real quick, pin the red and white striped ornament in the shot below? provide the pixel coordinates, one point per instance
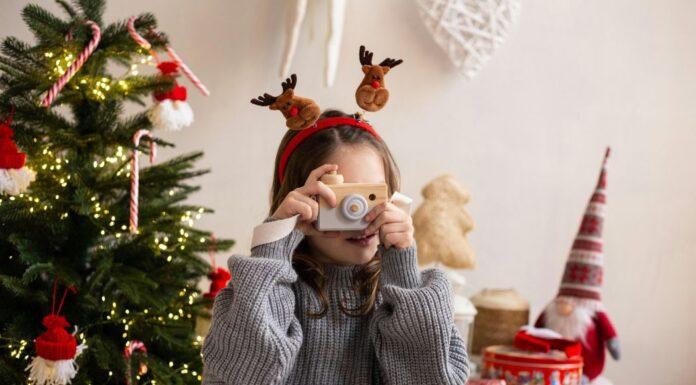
(135, 176)
(75, 66)
(132, 347)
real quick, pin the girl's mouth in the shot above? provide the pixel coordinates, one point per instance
(361, 241)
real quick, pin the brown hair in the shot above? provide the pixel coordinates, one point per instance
(310, 154)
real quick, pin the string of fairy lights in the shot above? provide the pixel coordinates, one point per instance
(111, 228)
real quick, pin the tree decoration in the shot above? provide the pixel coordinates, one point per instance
(15, 177)
(56, 349)
(75, 66)
(134, 346)
(171, 112)
(469, 31)
(135, 176)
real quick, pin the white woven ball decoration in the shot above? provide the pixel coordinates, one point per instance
(469, 31)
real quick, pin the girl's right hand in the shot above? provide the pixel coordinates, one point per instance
(301, 201)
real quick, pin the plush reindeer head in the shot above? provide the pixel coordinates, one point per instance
(371, 94)
(299, 112)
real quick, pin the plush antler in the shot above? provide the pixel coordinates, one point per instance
(371, 94)
(264, 101)
(365, 56)
(290, 83)
(391, 63)
(299, 112)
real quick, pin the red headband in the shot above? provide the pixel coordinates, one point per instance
(318, 126)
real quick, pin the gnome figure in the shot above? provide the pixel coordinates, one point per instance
(577, 312)
(56, 351)
(171, 112)
(15, 177)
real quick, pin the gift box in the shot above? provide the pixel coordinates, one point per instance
(523, 367)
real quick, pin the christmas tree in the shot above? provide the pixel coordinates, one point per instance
(69, 235)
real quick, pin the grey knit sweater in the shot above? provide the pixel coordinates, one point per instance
(260, 334)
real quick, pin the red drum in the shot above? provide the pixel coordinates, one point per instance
(521, 367)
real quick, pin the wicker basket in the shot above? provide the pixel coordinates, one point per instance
(501, 313)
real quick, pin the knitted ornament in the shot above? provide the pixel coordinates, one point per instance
(171, 112)
(14, 176)
(56, 350)
(584, 270)
(218, 280)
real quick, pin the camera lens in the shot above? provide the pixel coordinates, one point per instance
(354, 207)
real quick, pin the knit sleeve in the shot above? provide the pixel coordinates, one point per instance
(255, 335)
(413, 330)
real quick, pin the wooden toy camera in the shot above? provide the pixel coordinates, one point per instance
(354, 201)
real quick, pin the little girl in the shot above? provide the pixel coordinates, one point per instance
(347, 307)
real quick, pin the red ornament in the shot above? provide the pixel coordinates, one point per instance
(10, 157)
(218, 280)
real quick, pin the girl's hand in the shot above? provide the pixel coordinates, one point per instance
(301, 201)
(394, 225)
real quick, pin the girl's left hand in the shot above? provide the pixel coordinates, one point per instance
(394, 225)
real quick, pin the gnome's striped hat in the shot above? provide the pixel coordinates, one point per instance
(584, 270)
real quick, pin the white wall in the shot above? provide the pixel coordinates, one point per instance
(526, 137)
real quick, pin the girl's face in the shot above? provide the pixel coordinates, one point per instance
(357, 164)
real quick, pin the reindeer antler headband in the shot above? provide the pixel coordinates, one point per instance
(301, 114)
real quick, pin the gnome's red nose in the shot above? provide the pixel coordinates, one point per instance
(294, 111)
(375, 84)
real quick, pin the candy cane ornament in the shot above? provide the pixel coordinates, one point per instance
(132, 347)
(75, 66)
(172, 54)
(135, 176)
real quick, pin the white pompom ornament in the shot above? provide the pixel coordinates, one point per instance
(14, 176)
(171, 112)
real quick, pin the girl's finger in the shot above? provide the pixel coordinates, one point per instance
(297, 206)
(321, 189)
(395, 227)
(396, 239)
(374, 212)
(309, 201)
(384, 217)
(319, 171)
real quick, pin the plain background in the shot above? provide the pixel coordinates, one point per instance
(526, 136)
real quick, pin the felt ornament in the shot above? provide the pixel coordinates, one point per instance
(469, 31)
(299, 112)
(577, 312)
(337, 10)
(56, 350)
(441, 224)
(170, 112)
(15, 177)
(372, 94)
(218, 276)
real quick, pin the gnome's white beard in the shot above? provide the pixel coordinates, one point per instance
(47, 372)
(171, 115)
(16, 181)
(573, 326)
